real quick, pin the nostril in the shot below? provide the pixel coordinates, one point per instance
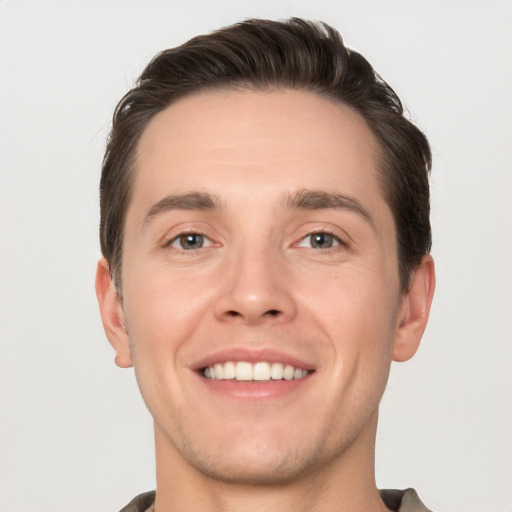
(251, 315)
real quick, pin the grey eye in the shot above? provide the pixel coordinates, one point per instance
(189, 241)
(322, 240)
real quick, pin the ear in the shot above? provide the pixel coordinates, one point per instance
(112, 315)
(415, 310)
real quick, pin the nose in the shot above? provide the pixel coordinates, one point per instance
(256, 290)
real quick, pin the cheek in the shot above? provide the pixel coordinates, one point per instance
(160, 317)
(362, 296)
(161, 311)
(357, 312)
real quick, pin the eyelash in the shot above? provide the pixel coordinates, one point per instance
(180, 236)
(337, 241)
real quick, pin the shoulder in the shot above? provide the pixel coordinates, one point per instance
(403, 501)
(399, 501)
(140, 503)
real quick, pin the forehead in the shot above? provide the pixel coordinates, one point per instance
(236, 143)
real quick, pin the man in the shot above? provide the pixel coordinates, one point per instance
(265, 232)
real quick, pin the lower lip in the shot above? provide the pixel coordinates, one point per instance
(254, 390)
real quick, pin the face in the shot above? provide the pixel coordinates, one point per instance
(261, 305)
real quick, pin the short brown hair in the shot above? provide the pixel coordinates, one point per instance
(263, 54)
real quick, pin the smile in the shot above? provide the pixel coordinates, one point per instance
(260, 371)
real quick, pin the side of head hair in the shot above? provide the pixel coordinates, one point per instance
(264, 54)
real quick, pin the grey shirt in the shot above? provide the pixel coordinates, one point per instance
(399, 501)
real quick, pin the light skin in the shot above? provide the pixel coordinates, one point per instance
(257, 232)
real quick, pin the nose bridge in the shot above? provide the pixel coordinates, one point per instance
(254, 287)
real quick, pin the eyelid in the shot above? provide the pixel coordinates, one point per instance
(206, 240)
(170, 240)
(329, 228)
(339, 242)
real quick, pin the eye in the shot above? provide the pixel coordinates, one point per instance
(189, 241)
(320, 240)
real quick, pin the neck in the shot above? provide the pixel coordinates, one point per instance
(345, 483)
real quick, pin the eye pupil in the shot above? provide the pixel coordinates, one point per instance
(321, 240)
(192, 241)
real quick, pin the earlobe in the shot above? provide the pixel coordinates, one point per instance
(415, 310)
(112, 315)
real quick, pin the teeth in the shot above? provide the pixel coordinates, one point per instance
(219, 371)
(229, 370)
(261, 371)
(297, 373)
(289, 370)
(276, 371)
(243, 371)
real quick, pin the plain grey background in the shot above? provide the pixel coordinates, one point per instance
(74, 433)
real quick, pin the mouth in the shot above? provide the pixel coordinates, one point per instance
(253, 375)
(260, 371)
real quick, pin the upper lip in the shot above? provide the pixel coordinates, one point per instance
(251, 355)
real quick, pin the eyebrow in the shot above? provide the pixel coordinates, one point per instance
(305, 199)
(199, 201)
(320, 199)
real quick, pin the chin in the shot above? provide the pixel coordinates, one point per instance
(265, 469)
(257, 461)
